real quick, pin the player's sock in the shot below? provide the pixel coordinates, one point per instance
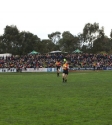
(66, 80)
(63, 79)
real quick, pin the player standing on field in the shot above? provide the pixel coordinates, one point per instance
(65, 71)
(58, 65)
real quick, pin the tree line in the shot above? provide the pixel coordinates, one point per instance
(91, 40)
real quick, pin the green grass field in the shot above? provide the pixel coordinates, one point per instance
(42, 98)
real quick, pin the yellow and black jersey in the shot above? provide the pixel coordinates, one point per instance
(65, 66)
(58, 63)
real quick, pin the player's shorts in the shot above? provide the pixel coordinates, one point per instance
(65, 72)
(58, 67)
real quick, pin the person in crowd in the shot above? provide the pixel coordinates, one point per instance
(98, 65)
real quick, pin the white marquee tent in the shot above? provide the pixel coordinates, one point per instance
(57, 51)
(5, 54)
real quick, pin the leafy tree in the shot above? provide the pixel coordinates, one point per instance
(92, 40)
(28, 42)
(47, 46)
(111, 41)
(54, 37)
(90, 33)
(102, 43)
(81, 40)
(15, 42)
(8, 41)
(111, 34)
(85, 49)
(68, 42)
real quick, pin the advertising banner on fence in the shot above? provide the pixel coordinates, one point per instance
(8, 70)
(35, 70)
(47, 69)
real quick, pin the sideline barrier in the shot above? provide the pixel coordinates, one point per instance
(8, 70)
(29, 70)
(41, 70)
(47, 69)
(104, 68)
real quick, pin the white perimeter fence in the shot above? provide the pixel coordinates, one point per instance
(46, 69)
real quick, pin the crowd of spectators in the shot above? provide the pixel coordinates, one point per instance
(83, 60)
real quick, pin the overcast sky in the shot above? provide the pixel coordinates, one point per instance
(43, 17)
